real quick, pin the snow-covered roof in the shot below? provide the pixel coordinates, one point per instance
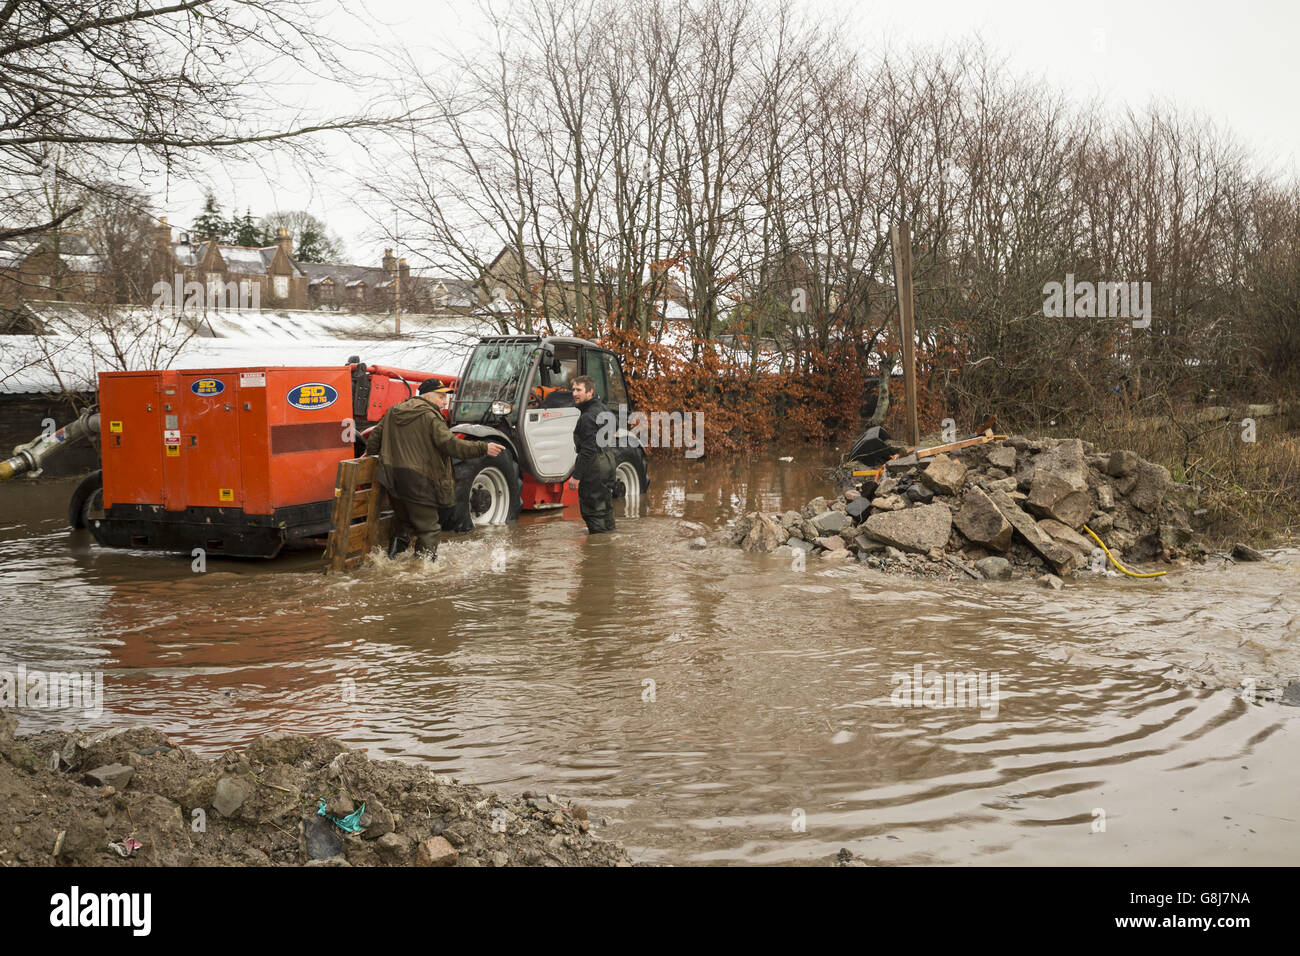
(75, 251)
(81, 342)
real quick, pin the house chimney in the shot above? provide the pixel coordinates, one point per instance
(390, 264)
(163, 232)
(403, 270)
(284, 241)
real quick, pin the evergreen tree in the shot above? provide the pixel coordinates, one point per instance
(211, 225)
(246, 231)
(313, 245)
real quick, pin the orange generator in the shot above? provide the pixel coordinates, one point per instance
(236, 461)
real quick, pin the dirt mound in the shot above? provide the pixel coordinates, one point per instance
(1002, 509)
(81, 800)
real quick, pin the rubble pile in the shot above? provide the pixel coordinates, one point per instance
(136, 797)
(997, 510)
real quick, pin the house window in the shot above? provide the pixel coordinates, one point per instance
(281, 286)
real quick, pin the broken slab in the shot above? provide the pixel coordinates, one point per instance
(982, 523)
(1066, 536)
(919, 530)
(1038, 539)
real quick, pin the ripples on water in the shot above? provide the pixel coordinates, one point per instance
(706, 701)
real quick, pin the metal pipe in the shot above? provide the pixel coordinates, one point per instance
(29, 458)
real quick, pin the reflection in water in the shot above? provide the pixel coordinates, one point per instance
(698, 698)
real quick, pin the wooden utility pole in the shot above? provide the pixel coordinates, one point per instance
(901, 238)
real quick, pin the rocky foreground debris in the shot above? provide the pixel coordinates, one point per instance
(992, 511)
(135, 797)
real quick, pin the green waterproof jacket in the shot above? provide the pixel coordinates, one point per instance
(415, 447)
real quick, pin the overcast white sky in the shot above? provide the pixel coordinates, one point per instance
(1235, 62)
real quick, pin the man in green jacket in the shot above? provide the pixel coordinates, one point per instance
(415, 447)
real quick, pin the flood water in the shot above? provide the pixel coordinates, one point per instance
(713, 706)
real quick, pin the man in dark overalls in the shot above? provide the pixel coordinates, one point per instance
(594, 468)
(415, 447)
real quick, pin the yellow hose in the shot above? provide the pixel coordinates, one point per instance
(1132, 574)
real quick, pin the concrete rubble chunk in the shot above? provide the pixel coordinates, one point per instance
(1059, 485)
(920, 529)
(765, 534)
(980, 520)
(831, 521)
(1145, 487)
(1053, 495)
(888, 503)
(994, 568)
(116, 775)
(436, 851)
(866, 543)
(858, 507)
(920, 493)
(230, 796)
(1002, 456)
(944, 475)
(1121, 463)
(1105, 497)
(1039, 540)
(1065, 535)
(815, 507)
(832, 543)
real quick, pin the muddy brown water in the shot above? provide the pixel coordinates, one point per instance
(713, 706)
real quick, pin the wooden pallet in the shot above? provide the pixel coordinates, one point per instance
(358, 523)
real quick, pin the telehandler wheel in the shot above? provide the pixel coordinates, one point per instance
(487, 491)
(630, 478)
(88, 498)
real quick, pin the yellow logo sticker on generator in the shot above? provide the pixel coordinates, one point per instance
(208, 386)
(173, 451)
(114, 426)
(312, 395)
(227, 494)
